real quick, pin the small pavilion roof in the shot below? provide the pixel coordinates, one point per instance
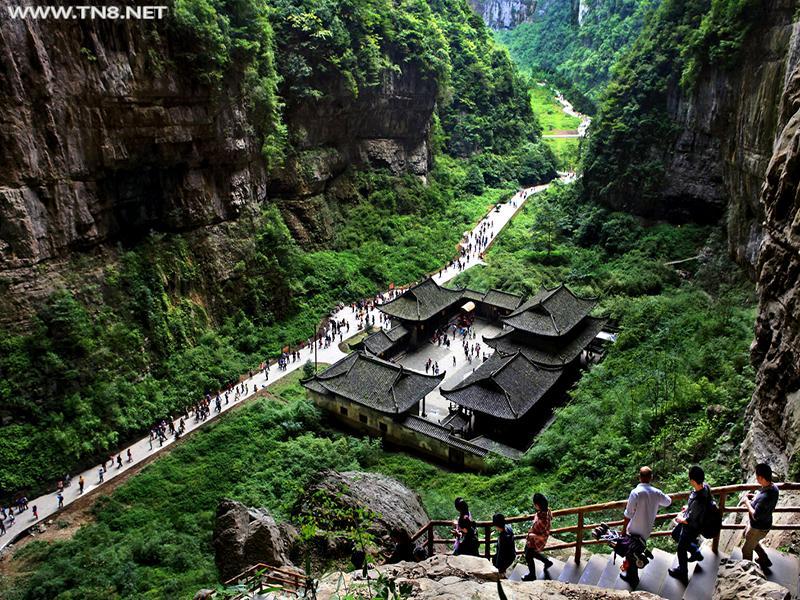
(551, 312)
(375, 383)
(421, 302)
(384, 340)
(506, 386)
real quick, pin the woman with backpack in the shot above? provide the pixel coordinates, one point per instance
(537, 537)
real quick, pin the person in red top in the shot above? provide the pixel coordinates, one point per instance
(537, 537)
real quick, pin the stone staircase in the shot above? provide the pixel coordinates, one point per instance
(602, 571)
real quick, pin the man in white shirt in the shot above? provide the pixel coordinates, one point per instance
(640, 515)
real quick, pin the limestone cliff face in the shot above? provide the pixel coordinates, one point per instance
(106, 136)
(505, 14)
(773, 416)
(726, 129)
(100, 142)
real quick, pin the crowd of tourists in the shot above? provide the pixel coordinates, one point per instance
(639, 516)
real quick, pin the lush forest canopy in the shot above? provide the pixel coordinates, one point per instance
(577, 58)
(670, 392)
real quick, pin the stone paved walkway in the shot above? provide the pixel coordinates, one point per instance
(48, 504)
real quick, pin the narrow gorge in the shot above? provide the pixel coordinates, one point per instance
(237, 243)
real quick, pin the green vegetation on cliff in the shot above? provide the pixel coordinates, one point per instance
(670, 392)
(578, 59)
(107, 361)
(624, 161)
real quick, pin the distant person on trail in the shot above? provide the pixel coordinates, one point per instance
(760, 507)
(640, 515)
(506, 551)
(119, 461)
(60, 498)
(537, 537)
(467, 543)
(403, 547)
(130, 456)
(35, 513)
(689, 523)
(100, 472)
(81, 483)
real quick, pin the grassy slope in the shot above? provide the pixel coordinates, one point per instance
(554, 120)
(683, 349)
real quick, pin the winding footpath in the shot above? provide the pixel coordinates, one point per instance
(141, 451)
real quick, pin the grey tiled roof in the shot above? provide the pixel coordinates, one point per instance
(549, 350)
(421, 302)
(468, 294)
(502, 299)
(373, 382)
(505, 386)
(383, 340)
(442, 434)
(550, 312)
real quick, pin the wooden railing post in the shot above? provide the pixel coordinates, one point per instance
(430, 539)
(487, 541)
(715, 542)
(579, 538)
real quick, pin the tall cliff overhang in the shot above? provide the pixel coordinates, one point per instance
(773, 416)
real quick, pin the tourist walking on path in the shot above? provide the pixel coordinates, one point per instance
(467, 543)
(689, 523)
(100, 472)
(644, 502)
(506, 551)
(35, 513)
(81, 483)
(537, 537)
(60, 498)
(760, 507)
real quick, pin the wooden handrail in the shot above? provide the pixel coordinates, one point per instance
(581, 528)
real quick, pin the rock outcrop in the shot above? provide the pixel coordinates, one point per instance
(246, 536)
(726, 131)
(108, 134)
(773, 417)
(504, 14)
(744, 580)
(383, 503)
(444, 577)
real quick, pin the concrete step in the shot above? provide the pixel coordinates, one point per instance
(702, 581)
(594, 568)
(571, 571)
(785, 569)
(521, 569)
(651, 578)
(610, 575)
(672, 589)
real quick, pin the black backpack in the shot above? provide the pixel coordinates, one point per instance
(712, 520)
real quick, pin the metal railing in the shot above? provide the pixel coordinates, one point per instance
(583, 526)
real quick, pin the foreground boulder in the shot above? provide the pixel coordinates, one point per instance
(744, 580)
(245, 536)
(342, 502)
(445, 577)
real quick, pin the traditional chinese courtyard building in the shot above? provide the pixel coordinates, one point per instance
(423, 308)
(498, 406)
(551, 328)
(506, 396)
(499, 399)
